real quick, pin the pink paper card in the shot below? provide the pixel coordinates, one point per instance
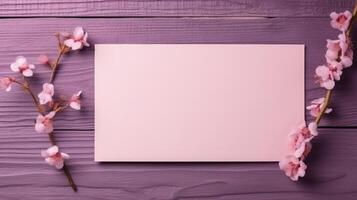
(196, 102)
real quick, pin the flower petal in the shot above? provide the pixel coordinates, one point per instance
(323, 72)
(44, 153)
(79, 93)
(75, 105)
(329, 84)
(59, 164)
(49, 88)
(69, 42)
(8, 89)
(313, 128)
(50, 161)
(53, 150)
(328, 110)
(31, 66)
(318, 101)
(44, 98)
(65, 156)
(299, 151)
(15, 67)
(346, 61)
(40, 128)
(333, 15)
(76, 46)
(78, 33)
(43, 59)
(20, 60)
(27, 72)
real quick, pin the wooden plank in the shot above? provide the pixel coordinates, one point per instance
(172, 8)
(331, 173)
(36, 37)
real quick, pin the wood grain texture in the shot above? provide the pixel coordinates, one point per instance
(172, 8)
(23, 173)
(77, 71)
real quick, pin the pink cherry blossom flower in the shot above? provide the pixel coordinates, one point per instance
(316, 106)
(335, 70)
(341, 21)
(77, 40)
(333, 50)
(44, 124)
(293, 167)
(54, 157)
(340, 50)
(325, 77)
(6, 82)
(43, 59)
(344, 42)
(346, 50)
(21, 65)
(47, 93)
(308, 148)
(346, 59)
(75, 101)
(300, 136)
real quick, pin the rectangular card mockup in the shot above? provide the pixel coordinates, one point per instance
(196, 102)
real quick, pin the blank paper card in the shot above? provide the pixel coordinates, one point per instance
(196, 102)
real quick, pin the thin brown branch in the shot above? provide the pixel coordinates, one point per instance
(27, 88)
(324, 106)
(62, 51)
(69, 178)
(52, 138)
(61, 108)
(59, 43)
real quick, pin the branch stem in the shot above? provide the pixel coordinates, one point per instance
(63, 50)
(27, 88)
(324, 106)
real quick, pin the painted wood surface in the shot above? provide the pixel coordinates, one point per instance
(172, 8)
(36, 37)
(23, 174)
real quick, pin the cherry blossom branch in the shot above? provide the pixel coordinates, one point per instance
(339, 56)
(329, 92)
(63, 49)
(70, 42)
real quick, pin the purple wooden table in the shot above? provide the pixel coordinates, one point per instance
(27, 28)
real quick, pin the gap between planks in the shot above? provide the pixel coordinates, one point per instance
(164, 17)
